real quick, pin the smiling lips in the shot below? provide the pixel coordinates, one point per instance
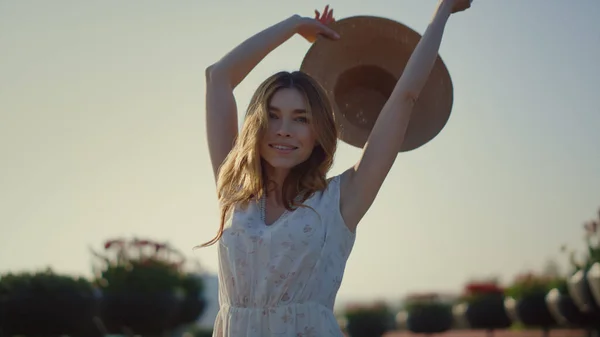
(282, 148)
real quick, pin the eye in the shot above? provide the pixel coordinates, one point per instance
(302, 119)
(272, 115)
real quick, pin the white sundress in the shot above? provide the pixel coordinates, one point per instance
(282, 279)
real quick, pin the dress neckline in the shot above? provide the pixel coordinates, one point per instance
(262, 209)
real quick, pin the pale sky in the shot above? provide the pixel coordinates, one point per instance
(102, 135)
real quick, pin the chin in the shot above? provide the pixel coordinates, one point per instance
(285, 162)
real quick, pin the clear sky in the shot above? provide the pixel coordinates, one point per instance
(102, 134)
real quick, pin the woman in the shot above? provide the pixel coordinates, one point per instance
(286, 231)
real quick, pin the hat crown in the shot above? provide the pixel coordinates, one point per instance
(360, 70)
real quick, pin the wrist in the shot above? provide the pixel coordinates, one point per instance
(293, 22)
(444, 9)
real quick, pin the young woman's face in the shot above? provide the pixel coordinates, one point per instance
(290, 138)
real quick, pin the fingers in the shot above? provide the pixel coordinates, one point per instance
(329, 16)
(326, 17)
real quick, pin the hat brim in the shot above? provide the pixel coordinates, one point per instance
(360, 70)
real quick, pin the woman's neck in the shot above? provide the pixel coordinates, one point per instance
(274, 184)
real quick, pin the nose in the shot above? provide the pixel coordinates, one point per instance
(284, 128)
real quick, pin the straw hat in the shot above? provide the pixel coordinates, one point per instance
(359, 72)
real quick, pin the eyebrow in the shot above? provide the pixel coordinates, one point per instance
(295, 111)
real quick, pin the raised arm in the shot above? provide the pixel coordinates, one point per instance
(223, 76)
(361, 183)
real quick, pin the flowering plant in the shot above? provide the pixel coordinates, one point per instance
(46, 303)
(376, 306)
(43, 283)
(530, 284)
(428, 313)
(421, 297)
(429, 302)
(138, 265)
(482, 306)
(576, 265)
(368, 319)
(477, 290)
(592, 239)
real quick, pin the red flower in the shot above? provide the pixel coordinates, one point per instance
(142, 242)
(482, 288)
(111, 243)
(159, 246)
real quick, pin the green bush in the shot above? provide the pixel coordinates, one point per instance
(530, 284)
(368, 320)
(43, 282)
(140, 266)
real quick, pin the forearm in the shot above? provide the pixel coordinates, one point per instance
(423, 58)
(239, 62)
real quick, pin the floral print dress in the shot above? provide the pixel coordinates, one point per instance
(282, 279)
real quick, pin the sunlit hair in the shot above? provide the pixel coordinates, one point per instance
(242, 175)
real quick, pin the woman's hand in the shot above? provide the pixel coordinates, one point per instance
(310, 28)
(457, 5)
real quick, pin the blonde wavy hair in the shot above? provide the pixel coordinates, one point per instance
(242, 177)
